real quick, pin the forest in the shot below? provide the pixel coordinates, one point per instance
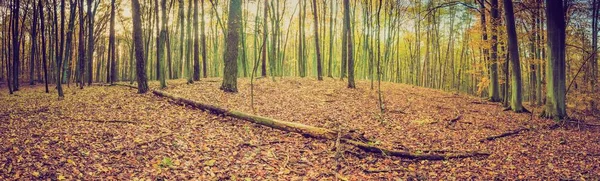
(299, 90)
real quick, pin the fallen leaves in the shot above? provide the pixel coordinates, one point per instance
(52, 144)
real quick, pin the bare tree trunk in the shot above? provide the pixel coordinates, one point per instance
(90, 42)
(317, 48)
(513, 48)
(555, 67)
(350, 50)
(231, 48)
(196, 44)
(263, 67)
(139, 48)
(33, 45)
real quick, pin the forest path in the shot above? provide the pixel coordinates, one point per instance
(42, 137)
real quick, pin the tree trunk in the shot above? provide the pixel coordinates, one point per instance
(196, 43)
(90, 42)
(43, 32)
(263, 68)
(162, 42)
(494, 87)
(513, 48)
(15, 43)
(555, 67)
(231, 48)
(33, 45)
(68, 47)
(81, 46)
(349, 45)
(317, 48)
(203, 41)
(139, 48)
(60, 48)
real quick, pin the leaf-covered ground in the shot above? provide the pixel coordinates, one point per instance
(110, 132)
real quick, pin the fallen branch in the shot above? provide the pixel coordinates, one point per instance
(373, 170)
(111, 121)
(505, 134)
(315, 132)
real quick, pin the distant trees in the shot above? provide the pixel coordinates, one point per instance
(230, 55)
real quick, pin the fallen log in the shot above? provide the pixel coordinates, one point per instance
(315, 132)
(505, 134)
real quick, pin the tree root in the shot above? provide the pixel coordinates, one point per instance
(355, 139)
(505, 134)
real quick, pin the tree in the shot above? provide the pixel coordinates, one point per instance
(513, 48)
(555, 67)
(43, 32)
(111, 63)
(90, 41)
(67, 63)
(33, 45)
(203, 41)
(317, 48)
(231, 49)
(139, 48)
(494, 87)
(263, 67)
(162, 40)
(594, 61)
(189, 41)
(196, 44)
(60, 47)
(15, 43)
(349, 44)
(81, 46)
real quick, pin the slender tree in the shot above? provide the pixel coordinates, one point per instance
(139, 48)
(90, 41)
(263, 67)
(317, 48)
(203, 42)
(231, 48)
(33, 45)
(43, 32)
(81, 46)
(349, 45)
(494, 86)
(162, 41)
(15, 42)
(196, 44)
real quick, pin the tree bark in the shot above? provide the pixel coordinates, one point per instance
(139, 48)
(349, 45)
(494, 87)
(317, 48)
(231, 48)
(555, 67)
(90, 42)
(196, 43)
(513, 48)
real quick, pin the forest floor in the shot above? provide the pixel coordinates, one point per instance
(113, 133)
